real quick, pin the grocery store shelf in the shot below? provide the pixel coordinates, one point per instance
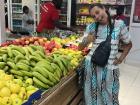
(17, 18)
(18, 12)
(17, 25)
(17, 4)
(105, 4)
(81, 14)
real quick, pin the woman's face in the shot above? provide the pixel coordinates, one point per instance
(99, 14)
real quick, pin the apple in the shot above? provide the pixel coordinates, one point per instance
(36, 43)
(27, 42)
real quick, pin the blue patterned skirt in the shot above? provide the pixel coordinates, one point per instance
(101, 86)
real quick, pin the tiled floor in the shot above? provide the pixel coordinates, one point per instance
(129, 85)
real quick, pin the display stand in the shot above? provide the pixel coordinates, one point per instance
(2, 22)
(67, 92)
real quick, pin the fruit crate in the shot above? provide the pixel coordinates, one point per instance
(64, 93)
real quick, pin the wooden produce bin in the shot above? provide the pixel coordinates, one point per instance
(66, 92)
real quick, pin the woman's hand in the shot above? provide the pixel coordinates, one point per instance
(86, 41)
(117, 61)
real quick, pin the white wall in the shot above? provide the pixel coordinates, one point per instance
(134, 56)
(2, 22)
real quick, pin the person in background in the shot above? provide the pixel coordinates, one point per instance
(27, 20)
(101, 84)
(120, 15)
(50, 17)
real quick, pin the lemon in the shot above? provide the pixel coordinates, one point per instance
(5, 92)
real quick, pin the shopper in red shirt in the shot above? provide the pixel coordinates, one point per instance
(50, 16)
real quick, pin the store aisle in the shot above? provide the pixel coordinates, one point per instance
(129, 85)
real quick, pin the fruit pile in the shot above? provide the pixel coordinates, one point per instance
(31, 62)
(14, 91)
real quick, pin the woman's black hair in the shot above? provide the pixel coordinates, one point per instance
(25, 8)
(57, 3)
(111, 25)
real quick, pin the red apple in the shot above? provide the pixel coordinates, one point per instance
(36, 43)
(27, 42)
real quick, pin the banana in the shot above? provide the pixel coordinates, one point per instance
(24, 61)
(34, 58)
(15, 53)
(9, 60)
(12, 65)
(18, 77)
(30, 50)
(2, 64)
(41, 70)
(65, 62)
(18, 57)
(4, 57)
(57, 70)
(3, 51)
(33, 47)
(6, 68)
(20, 49)
(41, 54)
(33, 63)
(46, 66)
(1, 59)
(42, 78)
(23, 66)
(40, 48)
(37, 55)
(26, 51)
(9, 51)
(60, 64)
(39, 83)
(19, 73)
(26, 73)
(49, 58)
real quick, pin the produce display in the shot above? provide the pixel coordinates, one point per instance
(31, 63)
(14, 91)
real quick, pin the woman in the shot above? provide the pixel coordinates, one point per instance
(27, 20)
(101, 85)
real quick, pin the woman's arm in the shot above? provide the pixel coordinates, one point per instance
(86, 41)
(126, 49)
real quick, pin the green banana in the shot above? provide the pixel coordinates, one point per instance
(26, 51)
(26, 77)
(34, 58)
(15, 53)
(37, 55)
(6, 68)
(60, 64)
(1, 59)
(9, 51)
(57, 70)
(26, 73)
(24, 61)
(40, 48)
(45, 65)
(33, 47)
(23, 66)
(49, 58)
(20, 49)
(2, 64)
(33, 63)
(30, 50)
(18, 57)
(42, 78)
(12, 65)
(18, 77)
(3, 51)
(19, 73)
(4, 57)
(9, 60)
(41, 54)
(39, 83)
